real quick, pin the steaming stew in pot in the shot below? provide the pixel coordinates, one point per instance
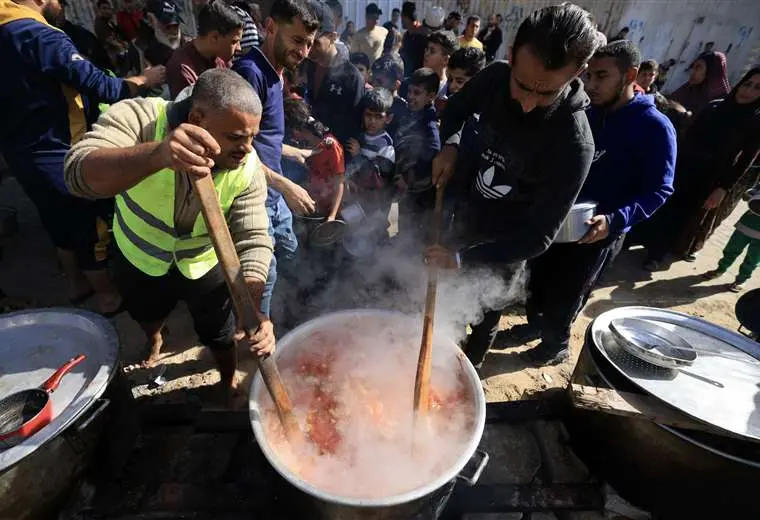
(352, 391)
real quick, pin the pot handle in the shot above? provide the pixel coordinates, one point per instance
(53, 381)
(471, 480)
(101, 406)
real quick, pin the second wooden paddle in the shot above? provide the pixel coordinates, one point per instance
(241, 296)
(424, 363)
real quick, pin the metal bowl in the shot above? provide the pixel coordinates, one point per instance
(402, 505)
(574, 226)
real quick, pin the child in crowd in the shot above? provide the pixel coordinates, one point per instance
(463, 65)
(361, 62)
(326, 165)
(387, 73)
(373, 157)
(647, 76)
(290, 86)
(746, 236)
(440, 46)
(417, 142)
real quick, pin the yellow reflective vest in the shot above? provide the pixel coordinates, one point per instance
(144, 219)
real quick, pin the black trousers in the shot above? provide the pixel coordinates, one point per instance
(561, 281)
(150, 299)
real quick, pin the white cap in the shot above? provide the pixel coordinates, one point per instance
(434, 16)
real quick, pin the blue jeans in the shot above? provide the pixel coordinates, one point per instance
(285, 246)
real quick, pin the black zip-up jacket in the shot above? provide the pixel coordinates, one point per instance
(524, 171)
(336, 102)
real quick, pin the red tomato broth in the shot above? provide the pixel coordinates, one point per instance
(353, 394)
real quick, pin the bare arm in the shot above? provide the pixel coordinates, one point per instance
(297, 198)
(338, 199)
(297, 154)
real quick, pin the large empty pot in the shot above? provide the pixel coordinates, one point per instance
(428, 499)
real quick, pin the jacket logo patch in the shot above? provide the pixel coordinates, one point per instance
(336, 89)
(484, 183)
(77, 57)
(598, 155)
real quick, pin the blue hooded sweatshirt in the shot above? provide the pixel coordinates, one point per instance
(45, 94)
(634, 163)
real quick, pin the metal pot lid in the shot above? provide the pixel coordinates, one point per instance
(653, 343)
(734, 408)
(33, 344)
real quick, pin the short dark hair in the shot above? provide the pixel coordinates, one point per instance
(359, 58)
(649, 66)
(454, 14)
(559, 35)
(394, 38)
(469, 59)
(218, 17)
(446, 39)
(378, 100)
(389, 65)
(395, 10)
(409, 9)
(624, 52)
(336, 7)
(473, 18)
(285, 11)
(298, 117)
(427, 79)
(104, 2)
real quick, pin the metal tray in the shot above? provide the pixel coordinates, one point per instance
(734, 408)
(33, 344)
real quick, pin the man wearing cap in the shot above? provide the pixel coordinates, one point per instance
(334, 87)
(52, 96)
(370, 39)
(291, 28)
(164, 17)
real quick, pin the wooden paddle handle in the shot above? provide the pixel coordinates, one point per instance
(425, 361)
(245, 309)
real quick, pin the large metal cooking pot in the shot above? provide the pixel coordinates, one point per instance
(675, 472)
(574, 226)
(36, 474)
(424, 502)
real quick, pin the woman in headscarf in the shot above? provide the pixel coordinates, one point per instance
(712, 172)
(708, 80)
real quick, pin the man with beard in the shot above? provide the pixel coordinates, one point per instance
(490, 36)
(52, 96)
(334, 87)
(631, 176)
(526, 156)
(290, 28)
(164, 18)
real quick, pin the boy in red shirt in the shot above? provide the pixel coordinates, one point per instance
(326, 166)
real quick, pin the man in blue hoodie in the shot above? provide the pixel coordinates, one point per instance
(49, 98)
(631, 176)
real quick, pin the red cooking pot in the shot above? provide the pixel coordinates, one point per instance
(25, 413)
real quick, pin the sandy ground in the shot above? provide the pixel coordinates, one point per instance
(29, 270)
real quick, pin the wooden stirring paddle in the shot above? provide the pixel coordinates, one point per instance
(425, 361)
(241, 296)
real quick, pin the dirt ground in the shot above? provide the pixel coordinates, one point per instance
(29, 270)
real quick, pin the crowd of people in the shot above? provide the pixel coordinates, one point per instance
(106, 133)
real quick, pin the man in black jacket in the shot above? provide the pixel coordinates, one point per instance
(491, 37)
(525, 156)
(334, 87)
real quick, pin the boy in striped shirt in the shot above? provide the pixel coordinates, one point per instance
(372, 155)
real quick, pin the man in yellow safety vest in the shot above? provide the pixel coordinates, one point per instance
(144, 152)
